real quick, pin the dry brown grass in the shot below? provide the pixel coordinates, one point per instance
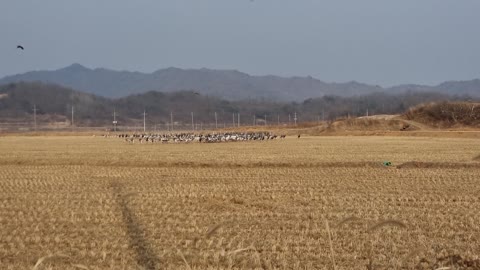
(212, 230)
(385, 223)
(347, 220)
(50, 258)
(110, 205)
(447, 114)
(330, 243)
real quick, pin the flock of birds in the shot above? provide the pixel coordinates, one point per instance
(200, 138)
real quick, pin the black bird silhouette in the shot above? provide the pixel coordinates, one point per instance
(20, 47)
(196, 93)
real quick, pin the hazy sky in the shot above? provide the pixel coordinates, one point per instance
(382, 42)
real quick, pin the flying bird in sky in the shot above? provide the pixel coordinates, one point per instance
(20, 47)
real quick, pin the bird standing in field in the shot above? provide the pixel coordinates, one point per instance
(20, 47)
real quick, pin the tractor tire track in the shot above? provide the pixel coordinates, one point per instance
(145, 256)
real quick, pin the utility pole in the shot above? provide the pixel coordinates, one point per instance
(295, 118)
(367, 111)
(238, 123)
(72, 117)
(35, 116)
(171, 121)
(114, 120)
(323, 114)
(278, 120)
(193, 126)
(265, 120)
(254, 122)
(233, 115)
(144, 125)
(216, 122)
(289, 119)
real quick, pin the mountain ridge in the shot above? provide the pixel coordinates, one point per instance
(227, 84)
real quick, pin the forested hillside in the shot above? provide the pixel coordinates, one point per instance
(18, 100)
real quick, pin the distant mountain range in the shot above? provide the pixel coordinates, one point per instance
(225, 84)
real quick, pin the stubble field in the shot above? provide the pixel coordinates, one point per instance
(309, 203)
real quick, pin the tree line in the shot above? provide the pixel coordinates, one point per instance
(17, 101)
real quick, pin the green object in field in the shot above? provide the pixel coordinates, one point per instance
(387, 163)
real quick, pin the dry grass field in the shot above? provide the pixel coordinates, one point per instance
(309, 203)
